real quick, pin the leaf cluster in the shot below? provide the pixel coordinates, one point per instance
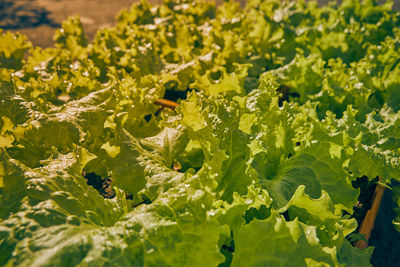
(282, 105)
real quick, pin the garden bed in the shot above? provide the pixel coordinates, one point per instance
(254, 167)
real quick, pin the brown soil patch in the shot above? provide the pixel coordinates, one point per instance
(38, 19)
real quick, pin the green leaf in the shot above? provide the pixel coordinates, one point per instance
(230, 84)
(331, 227)
(145, 164)
(351, 256)
(215, 125)
(65, 222)
(12, 50)
(279, 243)
(315, 168)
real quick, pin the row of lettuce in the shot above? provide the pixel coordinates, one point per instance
(282, 106)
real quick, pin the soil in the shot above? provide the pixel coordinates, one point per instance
(364, 203)
(384, 236)
(102, 185)
(39, 19)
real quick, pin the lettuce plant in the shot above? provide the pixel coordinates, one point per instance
(282, 106)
